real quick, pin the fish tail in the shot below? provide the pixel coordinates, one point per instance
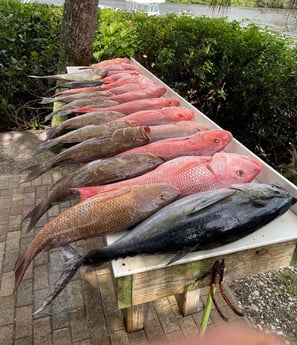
(72, 262)
(46, 100)
(57, 111)
(86, 192)
(35, 171)
(47, 145)
(51, 132)
(37, 212)
(23, 263)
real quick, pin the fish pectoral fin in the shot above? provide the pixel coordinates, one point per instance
(179, 255)
(211, 198)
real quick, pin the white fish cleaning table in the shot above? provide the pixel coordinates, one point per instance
(146, 278)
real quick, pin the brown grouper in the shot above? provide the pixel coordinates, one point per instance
(121, 140)
(116, 210)
(87, 132)
(100, 171)
(198, 222)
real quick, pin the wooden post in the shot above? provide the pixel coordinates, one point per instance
(134, 318)
(188, 301)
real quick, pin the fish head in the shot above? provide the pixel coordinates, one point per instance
(177, 114)
(171, 102)
(233, 168)
(265, 191)
(210, 142)
(149, 159)
(276, 199)
(152, 197)
(138, 135)
(198, 127)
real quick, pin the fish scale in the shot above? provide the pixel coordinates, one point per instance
(116, 210)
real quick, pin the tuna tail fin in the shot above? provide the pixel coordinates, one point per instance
(37, 212)
(51, 132)
(72, 262)
(35, 171)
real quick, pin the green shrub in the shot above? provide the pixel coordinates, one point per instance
(243, 78)
(28, 45)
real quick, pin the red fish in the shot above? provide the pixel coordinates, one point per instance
(117, 76)
(112, 211)
(150, 92)
(159, 116)
(129, 79)
(175, 129)
(192, 174)
(133, 106)
(108, 62)
(199, 144)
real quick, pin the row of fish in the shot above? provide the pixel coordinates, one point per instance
(149, 164)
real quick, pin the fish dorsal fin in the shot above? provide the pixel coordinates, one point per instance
(180, 164)
(108, 194)
(210, 198)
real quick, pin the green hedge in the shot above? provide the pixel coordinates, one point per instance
(243, 78)
(29, 44)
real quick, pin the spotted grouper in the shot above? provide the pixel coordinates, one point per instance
(198, 222)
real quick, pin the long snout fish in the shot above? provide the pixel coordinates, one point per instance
(112, 211)
(198, 222)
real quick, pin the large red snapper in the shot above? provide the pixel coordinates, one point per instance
(112, 211)
(192, 174)
(200, 144)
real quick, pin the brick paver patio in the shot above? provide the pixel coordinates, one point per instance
(86, 312)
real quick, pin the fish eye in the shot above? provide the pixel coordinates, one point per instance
(180, 115)
(163, 196)
(240, 173)
(216, 140)
(149, 160)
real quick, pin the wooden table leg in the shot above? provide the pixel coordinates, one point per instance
(188, 301)
(134, 318)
